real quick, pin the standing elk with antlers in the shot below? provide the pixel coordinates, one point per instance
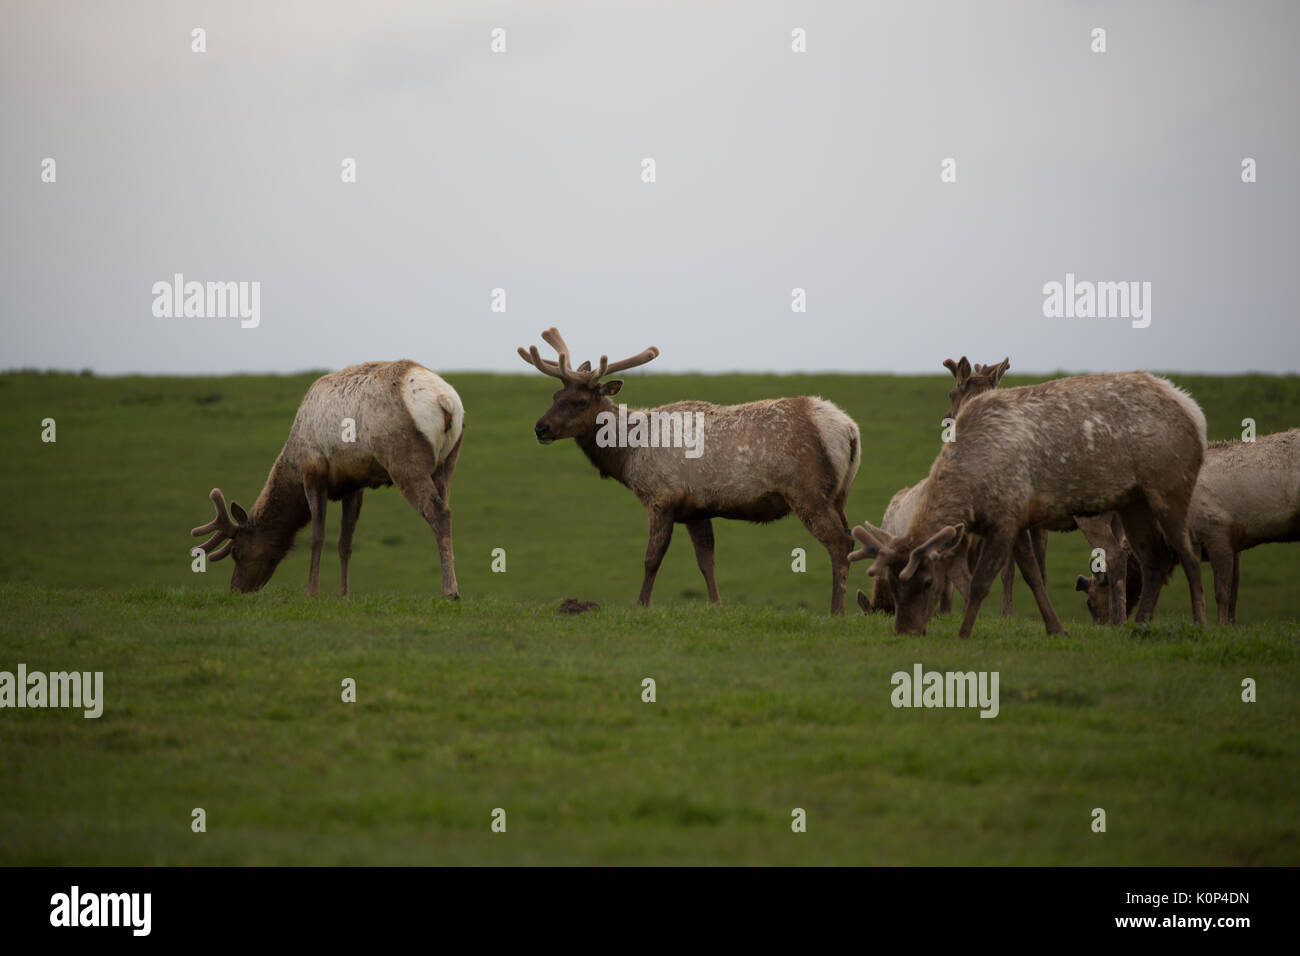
(406, 429)
(762, 460)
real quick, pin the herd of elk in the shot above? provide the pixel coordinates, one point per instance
(1247, 494)
(1036, 456)
(1121, 457)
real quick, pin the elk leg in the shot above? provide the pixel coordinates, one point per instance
(442, 523)
(1038, 537)
(351, 512)
(1008, 588)
(421, 492)
(1221, 561)
(701, 532)
(993, 557)
(1173, 522)
(1117, 566)
(316, 489)
(959, 572)
(661, 534)
(1236, 582)
(1028, 561)
(1144, 540)
(828, 528)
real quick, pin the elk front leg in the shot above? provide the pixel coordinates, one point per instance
(1027, 559)
(1009, 588)
(351, 512)
(1117, 568)
(701, 532)
(993, 557)
(1236, 581)
(661, 533)
(315, 488)
(1221, 562)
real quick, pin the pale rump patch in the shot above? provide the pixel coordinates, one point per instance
(435, 408)
(840, 438)
(1189, 405)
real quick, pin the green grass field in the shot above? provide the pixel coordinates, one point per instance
(232, 703)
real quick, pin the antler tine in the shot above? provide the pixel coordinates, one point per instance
(222, 526)
(552, 338)
(639, 359)
(534, 358)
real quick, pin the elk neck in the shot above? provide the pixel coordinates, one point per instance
(281, 509)
(611, 462)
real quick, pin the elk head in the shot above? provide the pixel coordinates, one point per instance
(916, 573)
(574, 407)
(233, 533)
(1096, 590)
(972, 381)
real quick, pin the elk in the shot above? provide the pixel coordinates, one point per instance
(1038, 456)
(896, 520)
(759, 462)
(1102, 531)
(1247, 494)
(406, 426)
(902, 507)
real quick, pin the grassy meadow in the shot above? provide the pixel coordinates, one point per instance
(232, 702)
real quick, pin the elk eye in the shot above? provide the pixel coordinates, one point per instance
(928, 582)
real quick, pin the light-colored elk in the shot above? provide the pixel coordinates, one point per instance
(896, 520)
(381, 423)
(759, 462)
(1037, 456)
(902, 507)
(1102, 531)
(1247, 494)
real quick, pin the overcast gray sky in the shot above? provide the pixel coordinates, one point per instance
(775, 170)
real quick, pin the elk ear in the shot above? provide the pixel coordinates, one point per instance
(585, 367)
(997, 371)
(612, 387)
(963, 369)
(1081, 583)
(239, 514)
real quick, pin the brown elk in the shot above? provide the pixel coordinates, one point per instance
(761, 461)
(1247, 494)
(902, 507)
(1102, 531)
(1038, 456)
(381, 423)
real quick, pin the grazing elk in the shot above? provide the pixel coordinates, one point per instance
(902, 507)
(1038, 456)
(896, 520)
(1248, 493)
(759, 462)
(381, 423)
(1102, 531)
